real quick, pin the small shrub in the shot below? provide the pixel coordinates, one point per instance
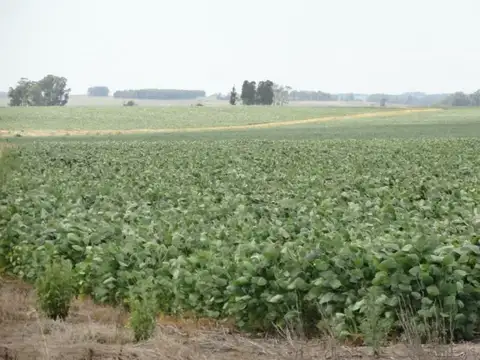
(143, 307)
(374, 326)
(129, 103)
(56, 289)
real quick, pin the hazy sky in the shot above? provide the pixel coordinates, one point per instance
(330, 45)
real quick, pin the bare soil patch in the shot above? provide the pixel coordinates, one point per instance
(45, 133)
(100, 332)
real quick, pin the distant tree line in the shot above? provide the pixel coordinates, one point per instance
(303, 95)
(159, 94)
(270, 93)
(346, 97)
(98, 91)
(3, 94)
(49, 91)
(461, 99)
(409, 98)
(422, 99)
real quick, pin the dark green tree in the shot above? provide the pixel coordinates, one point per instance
(244, 94)
(233, 96)
(49, 91)
(98, 91)
(249, 92)
(20, 94)
(54, 90)
(36, 95)
(475, 98)
(265, 94)
(458, 99)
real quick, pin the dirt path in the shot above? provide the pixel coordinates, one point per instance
(40, 133)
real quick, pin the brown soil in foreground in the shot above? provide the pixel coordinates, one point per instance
(40, 133)
(97, 332)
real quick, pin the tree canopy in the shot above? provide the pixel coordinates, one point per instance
(409, 98)
(261, 95)
(305, 95)
(233, 96)
(98, 91)
(460, 99)
(49, 91)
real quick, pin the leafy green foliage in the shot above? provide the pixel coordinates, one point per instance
(171, 117)
(143, 307)
(233, 96)
(56, 289)
(129, 103)
(265, 94)
(374, 327)
(249, 91)
(49, 91)
(98, 91)
(263, 232)
(261, 95)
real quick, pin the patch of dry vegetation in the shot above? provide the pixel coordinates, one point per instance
(100, 332)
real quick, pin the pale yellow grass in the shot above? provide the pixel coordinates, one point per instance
(40, 133)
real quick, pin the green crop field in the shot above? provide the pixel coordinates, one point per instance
(292, 225)
(111, 118)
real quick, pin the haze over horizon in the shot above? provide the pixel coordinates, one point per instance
(349, 46)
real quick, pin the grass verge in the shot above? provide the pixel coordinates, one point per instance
(100, 332)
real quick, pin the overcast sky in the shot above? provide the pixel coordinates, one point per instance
(335, 46)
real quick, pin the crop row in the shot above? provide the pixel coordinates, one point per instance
(115, 118)
(267, 233)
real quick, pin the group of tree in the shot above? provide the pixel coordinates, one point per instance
(461, 99)
(98, 91)
(305, 95)
(253, 94)
(281, 94)
(49, 91)
(270, 93)
(159, 94)
(408, 98)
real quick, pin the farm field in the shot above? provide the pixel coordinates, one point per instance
(78, 100)
(122, 119)
(392, 123)
(342, 227)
